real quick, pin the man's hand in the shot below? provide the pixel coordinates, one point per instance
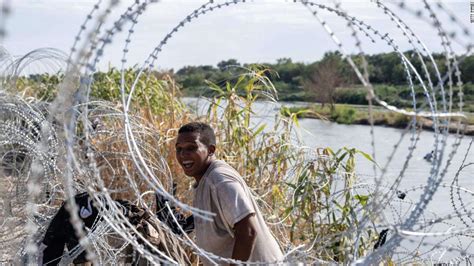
(245, 235)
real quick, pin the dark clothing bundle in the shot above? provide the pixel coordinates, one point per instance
(162, 213)
(60, 232)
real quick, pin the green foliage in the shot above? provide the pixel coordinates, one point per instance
(224, 65)
(238, 138)
(294, 113)
(468, 97)
(157, 94)
(467, 69)
(386, 73)
(344, 115)
(319, 215)
(352, 95)
(397, 120)
(39, 86)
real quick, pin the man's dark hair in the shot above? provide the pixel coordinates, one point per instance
(206, 133)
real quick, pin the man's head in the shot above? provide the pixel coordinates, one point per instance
(195, 147)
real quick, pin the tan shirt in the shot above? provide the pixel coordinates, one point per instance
(223, 191)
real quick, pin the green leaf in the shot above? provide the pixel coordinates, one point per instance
(260, 129)
(362, 199)
(368, 157)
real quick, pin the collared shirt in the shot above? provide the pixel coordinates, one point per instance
(223, 191)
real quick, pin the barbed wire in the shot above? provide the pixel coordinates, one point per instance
(53, 151)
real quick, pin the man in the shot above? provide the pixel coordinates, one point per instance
(238, 230)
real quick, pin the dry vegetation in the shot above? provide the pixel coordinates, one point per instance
(295, 187)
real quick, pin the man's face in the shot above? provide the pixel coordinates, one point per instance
(192, 154)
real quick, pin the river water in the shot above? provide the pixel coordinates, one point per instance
(397, 144)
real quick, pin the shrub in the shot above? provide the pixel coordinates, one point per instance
(344, 114)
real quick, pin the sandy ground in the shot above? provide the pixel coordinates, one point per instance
(12, 223)
(13, 220)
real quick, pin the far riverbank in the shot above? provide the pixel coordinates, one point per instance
(359, 114)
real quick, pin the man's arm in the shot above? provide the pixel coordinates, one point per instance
(245, 234)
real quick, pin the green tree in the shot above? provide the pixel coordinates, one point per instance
(467, 69)
(223, 65)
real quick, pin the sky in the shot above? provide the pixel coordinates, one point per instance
(259, 31)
